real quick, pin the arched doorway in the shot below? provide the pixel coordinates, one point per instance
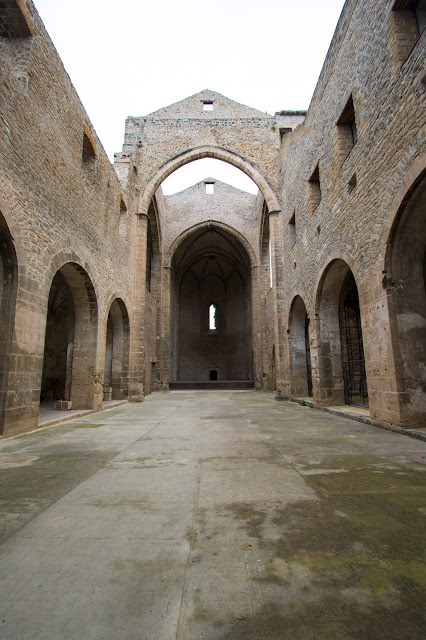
(8, 288)
(70, 341)
(300, 353)
(340, 349)
(211, 271)
(116, 378)
(353, 362)
(406, 276)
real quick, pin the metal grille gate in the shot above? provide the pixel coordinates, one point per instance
(355, 380)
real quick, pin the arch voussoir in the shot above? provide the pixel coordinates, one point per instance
(217, 153)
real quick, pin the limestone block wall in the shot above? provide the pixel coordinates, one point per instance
(230, 131)
(61, 200)
(341, 191)
(182, 217)
(349, 218)
(193, 206)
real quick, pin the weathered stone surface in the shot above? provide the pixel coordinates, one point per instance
(212, 515)
(91, 287)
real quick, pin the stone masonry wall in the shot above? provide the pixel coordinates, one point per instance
(332, 184)
(61, 211)
(193, 206)
(251, 135)
(356, 194)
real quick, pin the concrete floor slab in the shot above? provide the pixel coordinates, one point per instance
(216, 516)
(99, 589)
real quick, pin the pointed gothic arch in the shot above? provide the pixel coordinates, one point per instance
(69, 362)
(341, 360)
(198, 153)
(211, 266)
(117, 346)
(300, 353)
(405, 281)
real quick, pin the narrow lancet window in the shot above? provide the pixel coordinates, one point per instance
(212, 317)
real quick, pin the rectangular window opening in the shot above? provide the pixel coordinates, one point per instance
(122, 226)
(207, 105)
(292, 230)
(88, 158)
(13, 24)
(421, 15)
(283, 131)
(417, 9)
(314, 190)
(346, 130)
(407, 21)
(352, 183)
(209, 188)
(212, 317)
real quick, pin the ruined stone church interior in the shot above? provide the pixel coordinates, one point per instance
(191, 381)
(312, 287)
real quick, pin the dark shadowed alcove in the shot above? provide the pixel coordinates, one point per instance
(211, 323)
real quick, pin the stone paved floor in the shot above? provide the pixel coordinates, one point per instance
(212, 515)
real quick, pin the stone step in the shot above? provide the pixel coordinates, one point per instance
(211, 384)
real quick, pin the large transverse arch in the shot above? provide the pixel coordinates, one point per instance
(155, 146)
(208, 152)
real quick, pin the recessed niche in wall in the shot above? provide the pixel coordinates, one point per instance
(314, 190)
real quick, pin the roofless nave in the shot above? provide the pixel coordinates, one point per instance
(317, 284)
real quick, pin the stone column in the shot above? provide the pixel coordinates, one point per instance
(167, 340)
(256, 327)
(137, 346)
(280, 322)
(386, 396)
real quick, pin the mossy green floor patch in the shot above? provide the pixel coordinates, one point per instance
(318, 533)
(28, 490)
(327, 618)
(356, 557)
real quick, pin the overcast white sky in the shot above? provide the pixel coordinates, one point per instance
(133, 57)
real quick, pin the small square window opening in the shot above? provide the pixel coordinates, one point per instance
(209, 188)
(207, 106)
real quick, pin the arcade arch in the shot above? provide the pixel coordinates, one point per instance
(405, 264)
(70, 339)
(300, 353)
(341, 360)
(8, 290)
(116, 377)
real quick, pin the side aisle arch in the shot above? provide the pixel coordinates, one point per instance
(71, 335)
(117, 346)
(341, 359)
(404, 267)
